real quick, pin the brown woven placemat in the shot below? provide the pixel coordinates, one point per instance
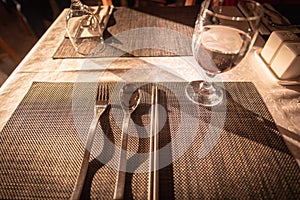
(165, 32)
(41, 149)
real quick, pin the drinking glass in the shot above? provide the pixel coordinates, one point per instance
(84, 29)
(222, 37)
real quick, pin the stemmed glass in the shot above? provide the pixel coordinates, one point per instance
(78, 5)
(84, 29)
(222, 38)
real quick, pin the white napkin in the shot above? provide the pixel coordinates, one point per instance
(104, 15)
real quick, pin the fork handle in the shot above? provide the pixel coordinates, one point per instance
(86, 157)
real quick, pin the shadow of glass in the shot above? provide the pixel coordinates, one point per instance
(250, 125)
(255, 126)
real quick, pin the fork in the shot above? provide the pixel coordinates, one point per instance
(101, 103)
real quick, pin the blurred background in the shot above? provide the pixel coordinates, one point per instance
(23, 22)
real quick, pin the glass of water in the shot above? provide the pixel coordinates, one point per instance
(84, 28)
(222, 37)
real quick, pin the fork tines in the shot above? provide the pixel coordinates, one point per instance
(102, 93)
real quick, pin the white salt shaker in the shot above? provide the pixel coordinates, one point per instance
(286, 63)
(274, 42)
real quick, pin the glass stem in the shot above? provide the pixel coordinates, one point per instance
(207, 85)
(207, 88)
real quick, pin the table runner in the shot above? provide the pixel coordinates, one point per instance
(165, 32)
(41, 150)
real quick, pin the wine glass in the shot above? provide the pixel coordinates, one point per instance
(222, 37)
(78, 5)
(84, 29)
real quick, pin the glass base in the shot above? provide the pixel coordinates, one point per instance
(203, 93)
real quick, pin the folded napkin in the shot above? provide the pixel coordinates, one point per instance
(104, 14)
(103, 17)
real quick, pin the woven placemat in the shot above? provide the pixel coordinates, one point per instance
(41, 149)
(140, 33)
